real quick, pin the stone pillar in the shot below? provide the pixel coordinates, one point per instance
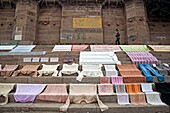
(26, 21)
(136, 20)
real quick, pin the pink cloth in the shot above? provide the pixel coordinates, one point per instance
(104, 80)
(117, 80)
(78, 47)
(54, 92)
(105, 89)
(105, 48)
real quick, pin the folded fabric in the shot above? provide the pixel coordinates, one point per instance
(120, 88)
(48, 69)
(160, 77)
(27, 70)
(110, 70)
(117, 80)
(105, 89)
(5, 88)
(153, 98)
(146, 87)
(147, 74)
(83, 93)
(54, 92)
(104, 80)
(69, 69)
(8, 70)
(127, 67)
(68, 60)
(90, 71)
(79, 47)
(137, 98)
(123, 99)
(133, 88)
(28, 92)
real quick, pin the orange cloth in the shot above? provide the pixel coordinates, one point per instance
(138, 98)
(133, 88)
(127, 67)
(8, 70)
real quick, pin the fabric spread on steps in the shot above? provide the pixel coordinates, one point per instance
(133, 88)
(120, 88)
(105, 48)
(48, 69)
(8, 70)
(110, 70)
(54, 92)
(146, 87)
(117, 80)
(79, 47)
(90, 71)
(104, 80)
(153, 98)
(137, 98)
(28, 92)
(83, 93)
(69, 69)
(105, 89)
(5, 88)
(62, 48)
(27, 70)
(123, 99)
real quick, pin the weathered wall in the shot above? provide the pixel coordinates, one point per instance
(90, 32)
(114, 18)
(7, 21)
(159, 32)
(26, 21)
(48, 25)
(136, 19)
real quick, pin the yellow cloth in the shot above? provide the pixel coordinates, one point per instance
(5, 88)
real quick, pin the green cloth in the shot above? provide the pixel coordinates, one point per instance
(135, 48)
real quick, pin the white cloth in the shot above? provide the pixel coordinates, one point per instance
(90, 71)
(54, 59)
(110, 70)
(27, 59)
(83, 93)
(146, 87)
(123, 99)
(45, 59)
(105, 48)
(35, 59)
(62, 48)
(153, 98)
(48, 69)
(69, 69)
(7, 47)
(23, 48)
(98, 58)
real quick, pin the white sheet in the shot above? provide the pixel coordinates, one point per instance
(7, 47)
(62, 48)
(110, 70)
(23, 48)
(98, 58)
(54, 59)
(35, 59)
(123, 99)
(48, 69)
(146, 87)
(90, 71)
(27, 59)
(153, 98)
(69, 69)
(45, 59)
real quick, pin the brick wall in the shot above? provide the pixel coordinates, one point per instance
(114, 18)
(7, 22)
(159, 32)
(48, 25)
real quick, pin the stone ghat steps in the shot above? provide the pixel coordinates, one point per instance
(52, 107)
(58, 80)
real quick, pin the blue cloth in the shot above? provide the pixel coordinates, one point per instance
(161, 78)
(147, 74)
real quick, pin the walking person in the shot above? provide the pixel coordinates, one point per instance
(117, 42)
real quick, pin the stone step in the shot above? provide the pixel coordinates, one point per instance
(80, 108)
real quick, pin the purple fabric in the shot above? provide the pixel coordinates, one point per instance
(68, 60)
(142, 58)
(117, 80)
(28, 92)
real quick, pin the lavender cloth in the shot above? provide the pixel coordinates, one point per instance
(28, 92)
